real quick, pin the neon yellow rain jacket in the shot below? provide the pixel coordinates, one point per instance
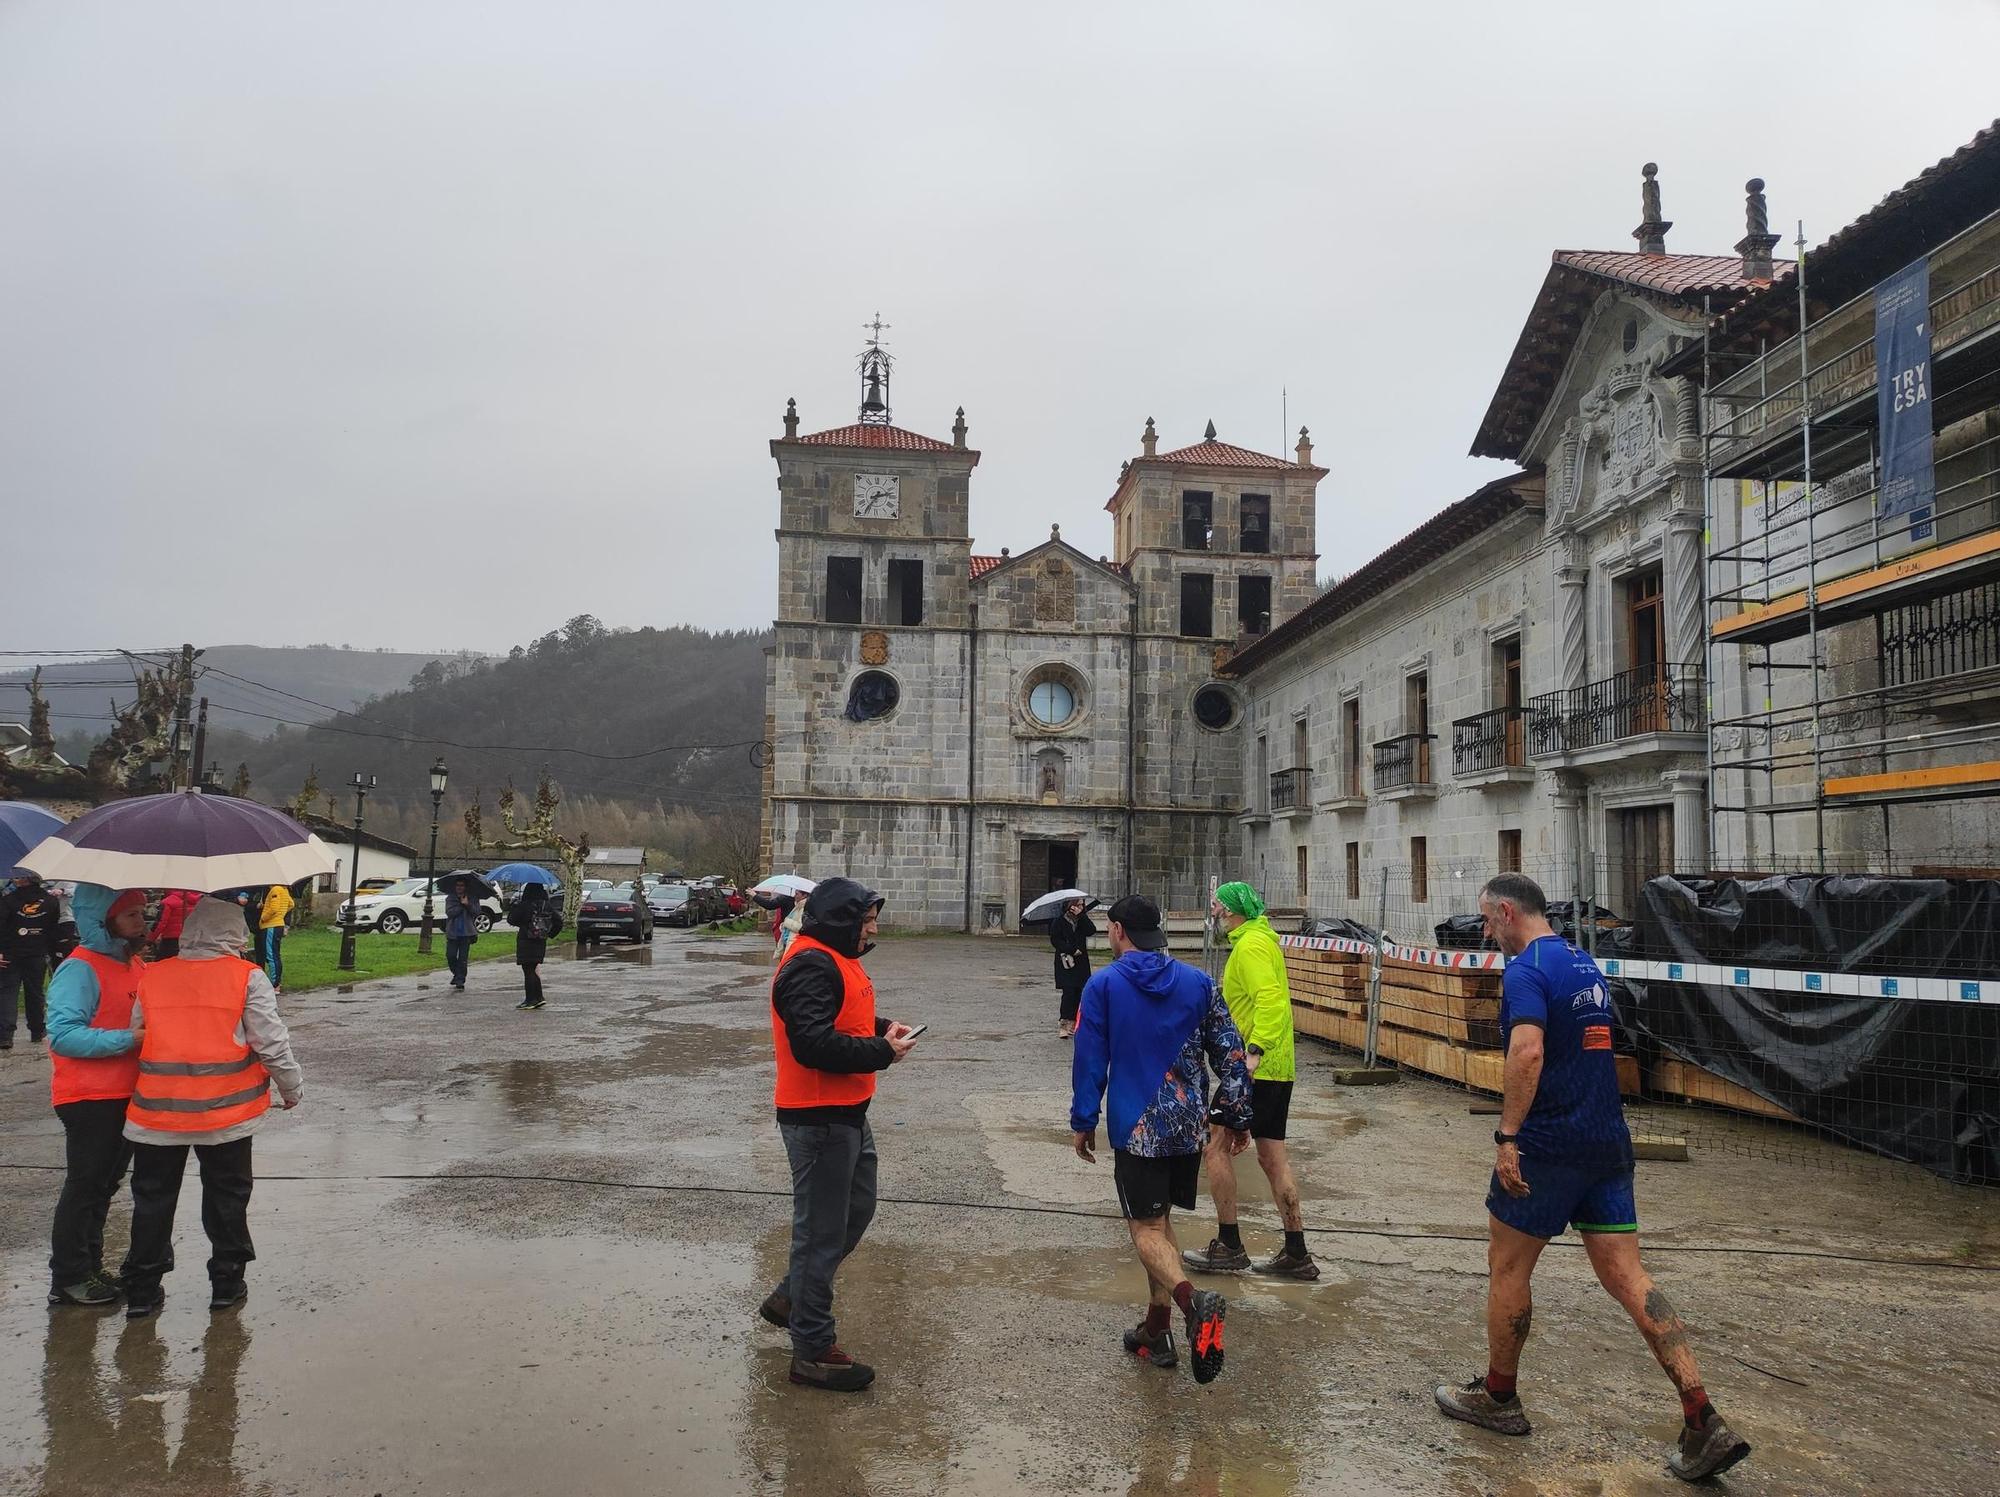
(1259, 999)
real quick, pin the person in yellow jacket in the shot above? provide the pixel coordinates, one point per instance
(271, 921)
(1260, 1001)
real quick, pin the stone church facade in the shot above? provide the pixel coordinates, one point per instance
(967, 731)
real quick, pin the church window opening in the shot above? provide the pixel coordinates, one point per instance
(1630, 340)
(906, 592)
(1253, 605)
(1420, 870)
(1197, 520)
(1214, 708)
(1354, 870)
(843, 589)
(874, 694)
(1197, 605)
(1255, 532)
(1051, 703)
(1305, 872)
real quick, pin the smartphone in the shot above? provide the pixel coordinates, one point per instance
(915, 1030)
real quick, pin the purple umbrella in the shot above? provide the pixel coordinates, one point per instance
(185, 840)
(21, 827)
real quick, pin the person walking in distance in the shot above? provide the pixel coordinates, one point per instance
(1260, 1001)
(830, 1043)
(1563, 1157)
(94, 1035)
(1070, 934)
(532, 918)
(214, 1047)
(166, 933)
(272, 916)
(29, 913)
(461, 929)
(1143, 1018)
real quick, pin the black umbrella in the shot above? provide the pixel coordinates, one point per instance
(474, 881)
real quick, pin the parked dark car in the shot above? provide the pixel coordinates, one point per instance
(618, 912)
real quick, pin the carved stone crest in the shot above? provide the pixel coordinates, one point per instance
(874, 648)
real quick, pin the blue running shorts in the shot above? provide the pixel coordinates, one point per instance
(1593, 1199)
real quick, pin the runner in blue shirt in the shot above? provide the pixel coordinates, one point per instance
(1563, 1158)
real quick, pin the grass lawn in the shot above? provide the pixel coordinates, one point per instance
(312, 957)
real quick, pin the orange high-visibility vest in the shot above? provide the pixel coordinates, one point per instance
(194, 1074)
(801, 1086)
(103, 1078)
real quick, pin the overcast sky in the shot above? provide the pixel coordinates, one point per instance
(428, 325)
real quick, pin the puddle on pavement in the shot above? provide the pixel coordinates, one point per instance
(750, 956)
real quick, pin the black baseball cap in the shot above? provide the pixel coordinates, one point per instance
(1141, 919)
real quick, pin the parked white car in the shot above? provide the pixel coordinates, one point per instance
(402, 904)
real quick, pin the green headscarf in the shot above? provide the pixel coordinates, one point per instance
(1240, 899)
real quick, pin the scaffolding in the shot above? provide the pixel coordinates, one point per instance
(1853, 658)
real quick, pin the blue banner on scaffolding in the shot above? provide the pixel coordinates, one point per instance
(1903, 397)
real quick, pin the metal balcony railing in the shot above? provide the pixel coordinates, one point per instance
(1291, 790)
(1632, 704)
(1403, 760)
(1953, 635)
(1491, 740)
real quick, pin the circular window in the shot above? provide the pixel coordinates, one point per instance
(1214, 708)
(1052, 704)
(874, 694)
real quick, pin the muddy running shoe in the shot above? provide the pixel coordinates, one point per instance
(1298, 1266)
(1204, 1333)
(1218, 1257)
(833, 1370)
(1713, 1448)
(1475, 1405)
(532, 1004)
(141, 1302)
(227, 1296)
(777, 1309)
(92, 1294)
(1156, 1347)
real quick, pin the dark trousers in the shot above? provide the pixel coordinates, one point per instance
(225, 1210)
(457, 953)
(1072, 1000)
(531, 977)
(25, 975)
(95, 1153)
(833, 1201)
(271, 953)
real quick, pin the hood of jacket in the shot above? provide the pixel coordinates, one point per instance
(1153, 973)
(89, 905)
(834, 912)
(214, 928)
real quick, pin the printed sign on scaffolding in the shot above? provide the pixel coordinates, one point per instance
(1903, 397)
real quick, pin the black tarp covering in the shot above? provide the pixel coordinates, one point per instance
(1338, 927)
(1915, 1080)
(1468, 932)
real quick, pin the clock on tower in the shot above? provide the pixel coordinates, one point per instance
(877, 496)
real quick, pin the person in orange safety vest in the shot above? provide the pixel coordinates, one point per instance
(214, 1047)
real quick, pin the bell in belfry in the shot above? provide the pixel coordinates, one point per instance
(872, 403)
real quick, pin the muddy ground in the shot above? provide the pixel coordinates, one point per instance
(520, 1253)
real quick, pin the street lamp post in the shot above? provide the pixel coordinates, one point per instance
(361, 785)
(439, 774)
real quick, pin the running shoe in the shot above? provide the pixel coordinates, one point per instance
(92, 1294)
(833, 1370)
(777, 1309)
(1713, 1448)
(1204, 1333)
(532, 1004)
(141, 1302)
(227, 1294)
(1298, 1266)
(1156, 1347)
(1218, 1257)
(1475, 1405)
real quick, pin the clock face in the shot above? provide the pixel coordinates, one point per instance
(877, 496)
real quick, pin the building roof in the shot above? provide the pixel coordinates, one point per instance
(880, 438)
(1576, 279)
(1437, 537)
(981, 565)
(335, 835)
(1209, 453)
(1944, 199)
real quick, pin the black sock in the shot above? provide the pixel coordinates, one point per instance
(1295, 1244)
(1231, 1238)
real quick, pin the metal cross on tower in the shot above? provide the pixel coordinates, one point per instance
(875, 365)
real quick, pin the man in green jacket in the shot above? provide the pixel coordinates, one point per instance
(1260, 1001)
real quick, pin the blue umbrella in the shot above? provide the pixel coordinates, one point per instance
(521, 873)
(21, 827)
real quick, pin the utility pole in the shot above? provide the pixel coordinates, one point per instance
(361, 785)
(183, 705)
(200, 744)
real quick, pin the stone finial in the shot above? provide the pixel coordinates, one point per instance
(958, 429)
(1055, 532)
(1652, 234)
(1124, 468)
(791, 419)
(1005, 553)
(1209, 435)
(1305, 448)
(1755, 245)
(1149, 440)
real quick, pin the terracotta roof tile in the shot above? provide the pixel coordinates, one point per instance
(1674, 275)
(981, 565)
(1220, 455)
(893, 438)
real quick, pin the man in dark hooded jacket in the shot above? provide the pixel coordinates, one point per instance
(829, 1046)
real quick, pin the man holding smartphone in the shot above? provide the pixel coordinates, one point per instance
(829, 1046)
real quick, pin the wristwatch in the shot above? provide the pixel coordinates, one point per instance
(1505, 1138)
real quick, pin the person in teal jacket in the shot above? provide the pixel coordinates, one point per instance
(1260, 1001)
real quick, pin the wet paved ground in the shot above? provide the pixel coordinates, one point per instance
(519, 1253)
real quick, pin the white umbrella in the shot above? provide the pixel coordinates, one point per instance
(1050, 905)
(785, 883)
(181, 841)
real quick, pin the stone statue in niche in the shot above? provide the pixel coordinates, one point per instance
(1049, 776)
(1055, 593)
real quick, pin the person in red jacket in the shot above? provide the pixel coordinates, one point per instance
(166, 932)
